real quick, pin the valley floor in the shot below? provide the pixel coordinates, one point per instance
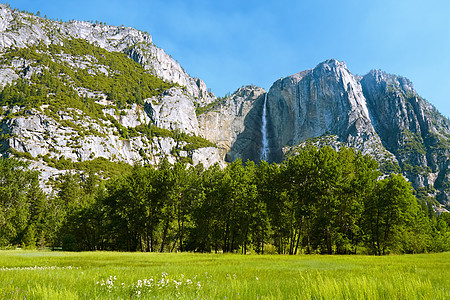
(115, 275)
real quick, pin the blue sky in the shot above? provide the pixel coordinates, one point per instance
(233, 43)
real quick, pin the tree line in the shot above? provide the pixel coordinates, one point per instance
(320, 201)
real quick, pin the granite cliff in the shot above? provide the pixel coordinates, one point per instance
(76, 92)
(378, 114)
(66, 95)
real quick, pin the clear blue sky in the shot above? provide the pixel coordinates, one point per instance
(238, 42)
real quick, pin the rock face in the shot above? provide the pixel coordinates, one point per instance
(378, 114)
(173, 110)
(22, 30)
(157, 61)
(327, 100)
(135, 133)
(412, 129)
(233, 124)
(39, 135)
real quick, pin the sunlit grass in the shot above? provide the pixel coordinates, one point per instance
(65, 275)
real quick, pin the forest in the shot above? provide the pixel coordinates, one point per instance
(320, 201)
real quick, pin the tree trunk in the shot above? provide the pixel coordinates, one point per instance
(163, 241)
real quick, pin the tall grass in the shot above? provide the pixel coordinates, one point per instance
(107, 275)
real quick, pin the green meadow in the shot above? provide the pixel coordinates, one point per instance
(117, 275)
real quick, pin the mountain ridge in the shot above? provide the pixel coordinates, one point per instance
(333, 107)
(62, 102)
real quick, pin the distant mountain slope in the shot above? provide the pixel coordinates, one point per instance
(378, 114)
(73, 93)
(77, 95)
(21, 30)
(412, 129)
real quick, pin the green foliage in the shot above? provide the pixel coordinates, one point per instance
(389, 167)
(125, 82)
(227, 214)
(193, 141)
(102, 166)
(441, 233)
(437, 143)
(146, 206)
(415, 169)
(99, 165)
(320, 201)
(29, 238)
(208, 107)
(25, 155)
(80, 221)
(392, 209)
(22, 205)
(123, 131)
(413, 143)
(151, 131)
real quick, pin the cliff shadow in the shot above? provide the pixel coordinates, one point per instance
(248, 144)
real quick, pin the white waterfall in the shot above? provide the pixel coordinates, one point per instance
(265, 141)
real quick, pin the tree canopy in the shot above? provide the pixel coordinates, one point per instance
(320, 201)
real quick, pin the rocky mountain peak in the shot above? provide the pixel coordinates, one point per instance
(62, 104)
(410, 128)
(248, 91)
(326, 100)
(22, 30)
(385, 81)
(330, 65)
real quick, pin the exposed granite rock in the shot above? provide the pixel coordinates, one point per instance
(327, 100)
(132, 117)
(173, 110)
(21, 30)
(234, 123)
(412, 129)
(162, 65)
(73, 135)
(207, 156)
(39, 135)
(378, 114)
(7, 76)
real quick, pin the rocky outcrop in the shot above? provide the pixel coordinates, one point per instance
(78, 138)
(207, 156)
(22, 30)
(410, 128)
(121, 133)
(378, 114)
(327, 100)
(162, 65)
(234, 124)
(173, 110)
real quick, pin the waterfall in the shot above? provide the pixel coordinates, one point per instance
(265, 141)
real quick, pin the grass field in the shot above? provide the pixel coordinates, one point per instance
(107, 275)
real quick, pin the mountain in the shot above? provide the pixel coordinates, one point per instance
(78, 95)
(79, 92)
(379, 114)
